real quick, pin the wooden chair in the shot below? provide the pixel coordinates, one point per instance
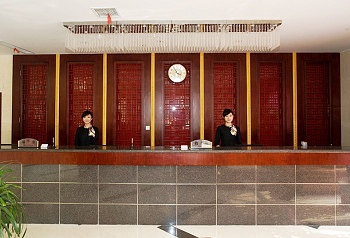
(28, 142)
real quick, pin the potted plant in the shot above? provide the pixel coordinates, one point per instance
(11, 212)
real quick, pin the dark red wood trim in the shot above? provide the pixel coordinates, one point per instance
(169, 157)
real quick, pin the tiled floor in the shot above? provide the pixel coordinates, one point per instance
(109, 231)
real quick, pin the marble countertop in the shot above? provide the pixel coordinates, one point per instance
(159, 149)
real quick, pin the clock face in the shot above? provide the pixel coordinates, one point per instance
(177, 73)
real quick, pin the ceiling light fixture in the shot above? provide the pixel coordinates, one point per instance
(173, 37)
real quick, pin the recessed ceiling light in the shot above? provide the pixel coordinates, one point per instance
(104, 11)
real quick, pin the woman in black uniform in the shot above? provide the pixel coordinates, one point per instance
(87, 134)
(228, 134)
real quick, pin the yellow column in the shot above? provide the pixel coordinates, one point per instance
(295, 101)
(153, 93)
(249, 119)
(104, 100)
(57, 100)
(201, 95)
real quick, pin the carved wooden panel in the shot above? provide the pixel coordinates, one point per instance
(225, 92)
(272, 99)
(316, 107)
(34, 102)
(271, 118)
(128, 103)
(177, 109)
(81, 94)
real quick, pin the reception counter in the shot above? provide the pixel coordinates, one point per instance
(248, 185)
(242, 155)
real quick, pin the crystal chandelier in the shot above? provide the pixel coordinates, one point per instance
(173, 37)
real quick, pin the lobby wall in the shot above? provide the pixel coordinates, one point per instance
(6, 65)
(345, 96)
(6, 62)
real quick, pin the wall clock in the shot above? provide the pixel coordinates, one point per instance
(177, 73)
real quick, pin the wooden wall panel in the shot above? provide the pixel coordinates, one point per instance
(235, 63)
(81, 92)
(275, 99)
(177, 108)
(225, 76)
(47, 64)
(132, 71)
(128, 86)
(319, 98)
(225, 89)
(271, 104)
(34, 108)
(72, 67)
(163, 62)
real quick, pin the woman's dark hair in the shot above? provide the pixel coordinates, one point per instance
(85, 113)
(226, 112)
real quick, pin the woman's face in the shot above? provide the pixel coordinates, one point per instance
(229, 118)
(87, 119)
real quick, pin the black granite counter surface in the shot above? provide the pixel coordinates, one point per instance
(238, 149)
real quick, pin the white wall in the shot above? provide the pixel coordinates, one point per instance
(6, 63)
(345, 97)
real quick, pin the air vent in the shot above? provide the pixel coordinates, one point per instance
(103, 12)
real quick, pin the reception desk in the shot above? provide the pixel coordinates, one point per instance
(248, 185)
(241, 155)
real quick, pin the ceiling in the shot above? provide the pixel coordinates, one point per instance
(307, 25)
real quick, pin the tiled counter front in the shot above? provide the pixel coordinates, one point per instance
(193, 195)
